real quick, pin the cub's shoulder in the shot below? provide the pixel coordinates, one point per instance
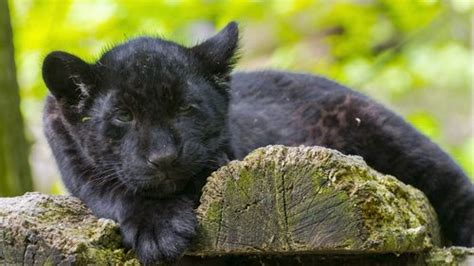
(275, 78)
(270, 83)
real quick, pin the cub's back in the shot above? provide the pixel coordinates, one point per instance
(271, 107)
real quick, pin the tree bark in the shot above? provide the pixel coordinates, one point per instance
(15, 177)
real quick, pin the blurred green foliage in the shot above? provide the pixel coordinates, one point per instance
(413, 56)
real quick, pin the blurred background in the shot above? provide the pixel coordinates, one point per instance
(413, 56)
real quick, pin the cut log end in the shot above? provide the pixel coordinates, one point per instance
(311, 200)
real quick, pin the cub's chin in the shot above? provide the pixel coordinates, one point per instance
(163, 189)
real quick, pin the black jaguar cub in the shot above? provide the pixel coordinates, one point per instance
(136, 134)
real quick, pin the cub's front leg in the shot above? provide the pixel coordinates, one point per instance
(158, 230)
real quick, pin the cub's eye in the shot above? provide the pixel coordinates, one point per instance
(124, 116)
(186, 109)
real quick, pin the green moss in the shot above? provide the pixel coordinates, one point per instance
(49, 262)
(244, 183)
(101, 256)
(208, 229)
(214, 212)
(452, 256)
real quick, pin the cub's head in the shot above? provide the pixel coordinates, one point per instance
(150, 113)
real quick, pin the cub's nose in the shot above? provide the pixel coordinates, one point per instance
(162, 158)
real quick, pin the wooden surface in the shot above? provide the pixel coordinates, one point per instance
(279, 206)
(284, 200)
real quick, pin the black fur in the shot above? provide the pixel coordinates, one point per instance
(136, 133)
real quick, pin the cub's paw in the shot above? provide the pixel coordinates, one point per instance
(161, 234)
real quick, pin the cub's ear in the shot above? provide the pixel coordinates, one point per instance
(218, 52)
(67, 76)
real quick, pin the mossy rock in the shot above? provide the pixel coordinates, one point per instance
(38, 229)
(300, 200)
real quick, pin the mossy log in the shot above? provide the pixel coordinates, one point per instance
(289, 205)
(298, 200)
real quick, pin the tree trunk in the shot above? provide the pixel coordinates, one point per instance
(15, 177)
